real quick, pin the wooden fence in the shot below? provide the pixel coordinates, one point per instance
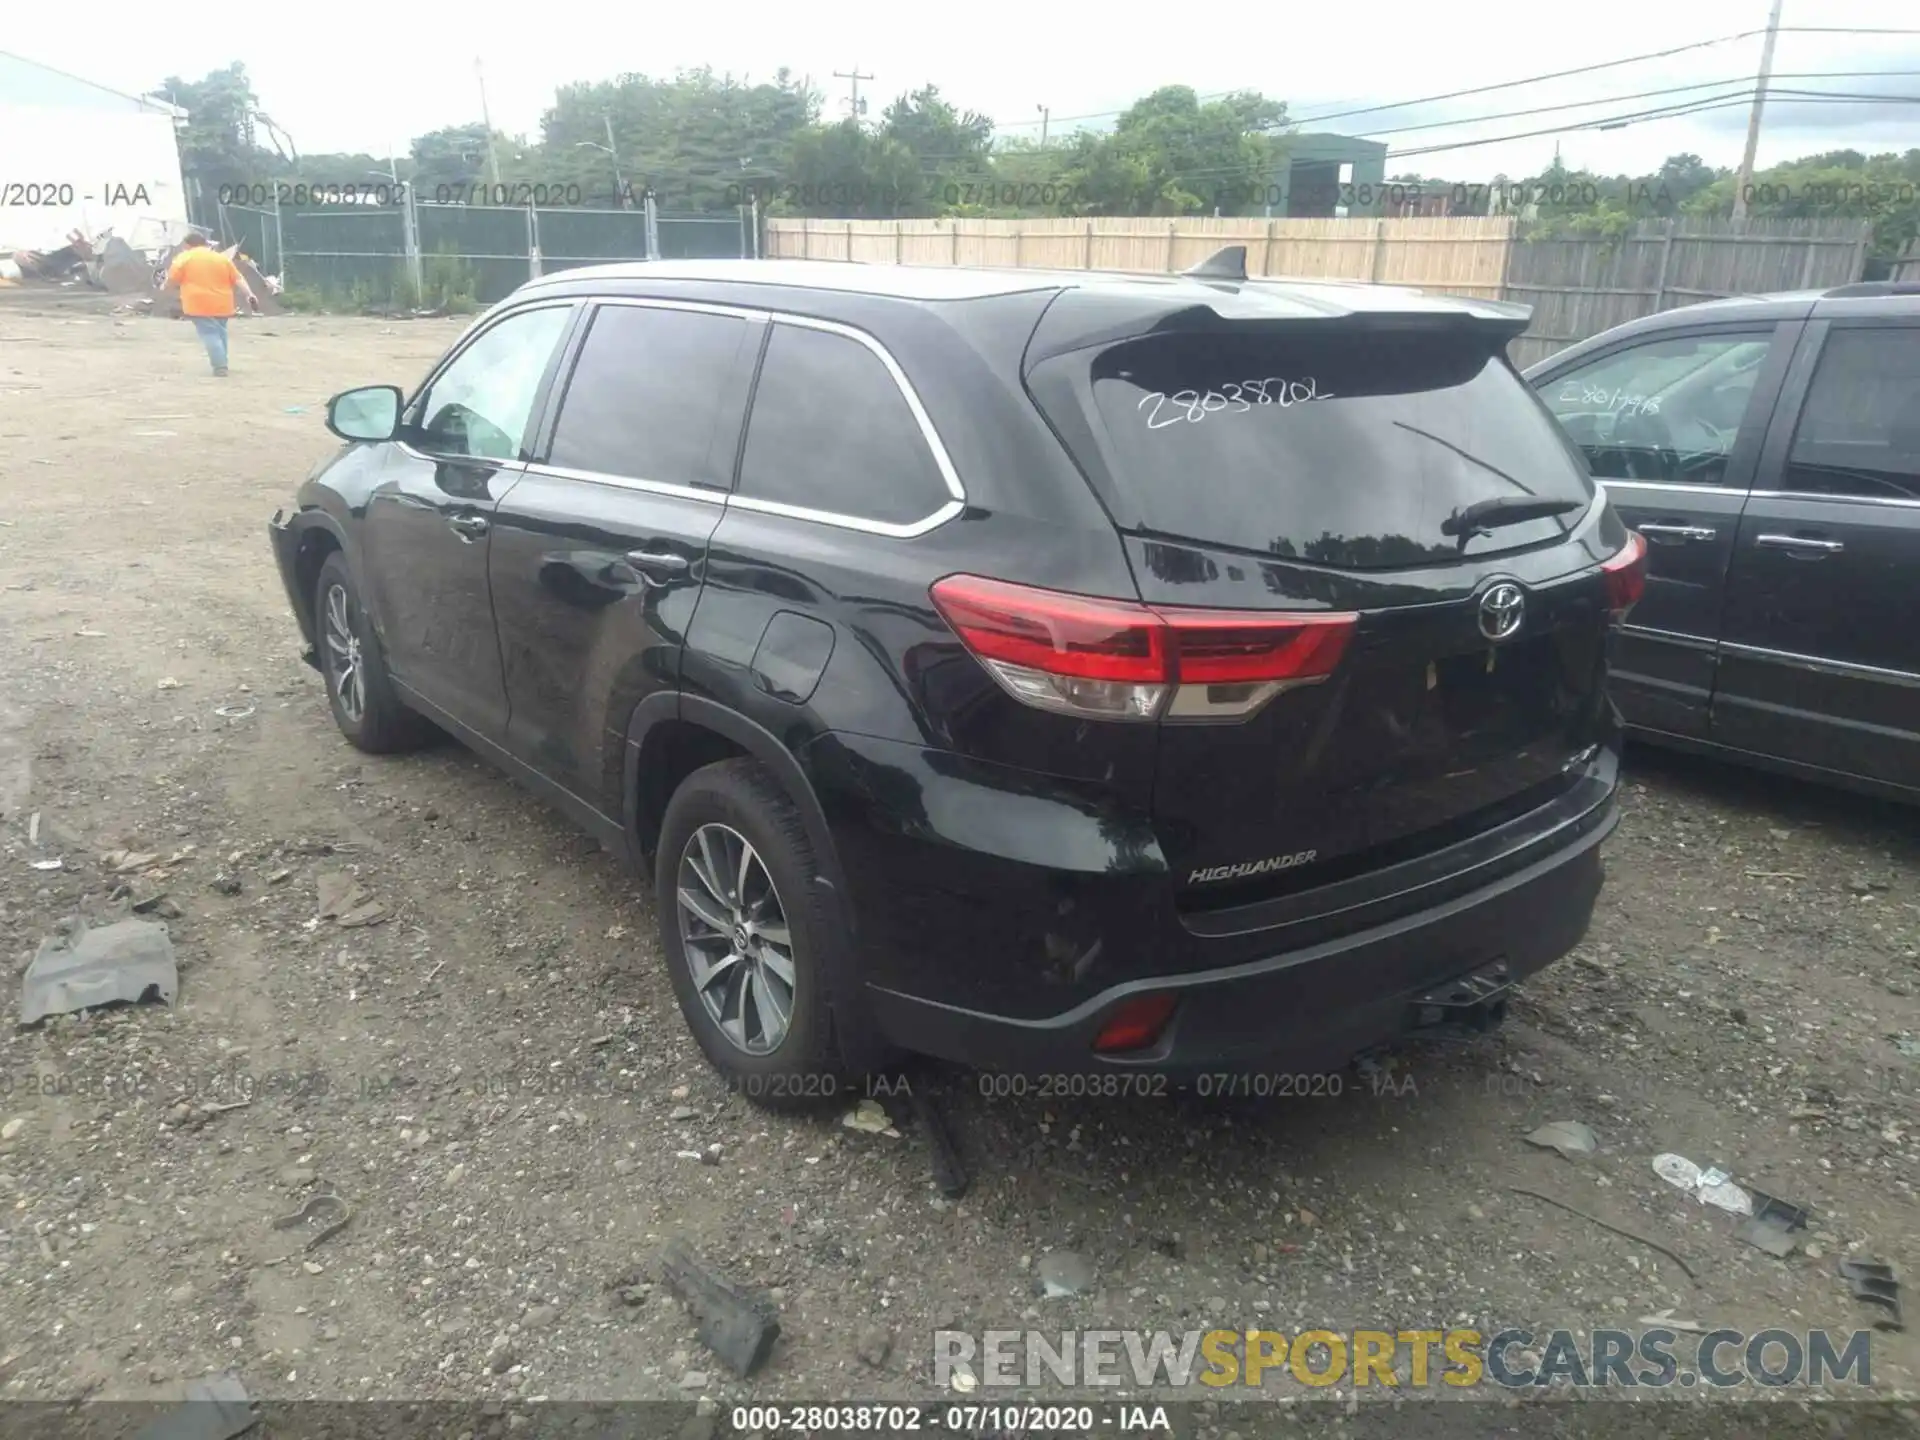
(1577, 287)
(1907, 267)
(1463, 256)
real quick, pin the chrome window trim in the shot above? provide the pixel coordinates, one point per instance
(1675, 486)
(1888, 501)
(900, 530)
(706, 495)
(732, 499)
(465, 343)
(1825, 666)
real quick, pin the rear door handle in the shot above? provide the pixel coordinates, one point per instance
(1799, 544)
(1694, 533)
(468, 527)
(658, 566)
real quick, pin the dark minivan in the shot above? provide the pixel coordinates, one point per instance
(1768, 448)
(1056, 672)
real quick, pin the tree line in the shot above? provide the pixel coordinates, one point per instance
(701, 141)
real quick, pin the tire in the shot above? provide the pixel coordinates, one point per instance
(369, 714)
(801, 1069)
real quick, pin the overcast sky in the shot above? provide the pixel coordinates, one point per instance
(359, 76)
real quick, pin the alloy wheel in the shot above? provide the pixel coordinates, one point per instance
(734, 932)
(343, 655)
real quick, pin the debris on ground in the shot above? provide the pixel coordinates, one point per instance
(1772, 1236)
(325, 1213)
(47, 864)
(124, 961)
(870, 1117)
(1064, 1273)
(1571, 1138)
(215, 1409)
(1872, 1282)
(875, 1344)
(1633, 1235)
(191, 1117)
(346, 902)
(1665, 1320)
(371, 913)
(738, 1327)
(1712, 1186)
(62, 266)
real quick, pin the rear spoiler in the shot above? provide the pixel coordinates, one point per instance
(1218, 294)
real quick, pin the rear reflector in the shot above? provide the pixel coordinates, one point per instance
(1136, 1024)
(1626, 576)
(1118, 659)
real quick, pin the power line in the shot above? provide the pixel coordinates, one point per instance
(1743, 94)
(1634, 95)
(1528, 80)
(1671, 112)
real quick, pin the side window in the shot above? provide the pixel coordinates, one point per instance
(646, 393)
(1859, 431)
(830, 430)
(1667, 410)
(480, 404)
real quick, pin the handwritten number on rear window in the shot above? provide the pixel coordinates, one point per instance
(1193, 406)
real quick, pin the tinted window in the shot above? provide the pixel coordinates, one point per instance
(646, 394)
(1859, 431)
(1666, 411)
(831, 431)
(480, 403)
(1349, 450)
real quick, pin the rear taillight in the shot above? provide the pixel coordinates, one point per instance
(1626, 576)
(1121, 660)
(1135, 1025)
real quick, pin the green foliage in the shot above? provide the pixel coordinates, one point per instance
(705, 142)
(218, 146)
(1172, 155)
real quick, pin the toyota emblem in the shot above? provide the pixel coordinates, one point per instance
(1502, 610)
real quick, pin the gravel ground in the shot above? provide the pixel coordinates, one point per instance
(496, 1079)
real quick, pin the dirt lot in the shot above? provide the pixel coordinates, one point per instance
(497, 1079)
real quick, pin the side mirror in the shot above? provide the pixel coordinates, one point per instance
(370, 413)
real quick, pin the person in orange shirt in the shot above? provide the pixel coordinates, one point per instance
(209, 284)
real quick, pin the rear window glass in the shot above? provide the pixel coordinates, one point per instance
(1351, 451)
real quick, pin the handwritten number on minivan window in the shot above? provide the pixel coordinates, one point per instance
(1234, 398)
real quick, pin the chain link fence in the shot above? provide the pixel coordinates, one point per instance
(436, 254)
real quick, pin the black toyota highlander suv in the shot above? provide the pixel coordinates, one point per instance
(1058, 672)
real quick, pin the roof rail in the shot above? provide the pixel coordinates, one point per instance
(1868, 289)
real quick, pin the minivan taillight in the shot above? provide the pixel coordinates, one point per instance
(1625, 576)
(1121, 660)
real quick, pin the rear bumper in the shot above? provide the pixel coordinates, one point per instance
(1007, 919)
(1299, 1013)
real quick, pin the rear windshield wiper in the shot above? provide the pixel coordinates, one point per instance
(1485, 515)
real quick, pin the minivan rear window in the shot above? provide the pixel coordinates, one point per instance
(1348, 450)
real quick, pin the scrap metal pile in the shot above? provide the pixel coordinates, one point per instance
(109, 263)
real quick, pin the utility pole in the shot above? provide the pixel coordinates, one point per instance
(855, 77)
(1045, 115)
(1744, 181)
(619, 185)
(493, 155)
